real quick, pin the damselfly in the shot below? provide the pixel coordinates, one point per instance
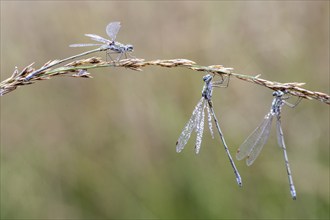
(111, 46)
(253, 145)
(197, 121)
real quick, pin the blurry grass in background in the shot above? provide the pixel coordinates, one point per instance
(105, 148)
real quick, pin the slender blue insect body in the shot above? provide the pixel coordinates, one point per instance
(252, 146)
(197, 122)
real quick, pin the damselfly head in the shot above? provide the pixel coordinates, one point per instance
(207, 78)
(279, 93)
(129, 48)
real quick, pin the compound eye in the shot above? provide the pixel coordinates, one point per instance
(130, 47)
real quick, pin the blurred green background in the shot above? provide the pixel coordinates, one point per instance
(105, 147)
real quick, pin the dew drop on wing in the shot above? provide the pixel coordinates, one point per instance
(198, 117)
(186, 132)
(200, 129)
(209, 119)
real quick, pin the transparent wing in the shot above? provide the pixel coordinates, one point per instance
(200, 130)
(191, 124)
(261, 141)
(112, 29)
(209, 119)
(84, 45)
(98, 38)
(252, 140)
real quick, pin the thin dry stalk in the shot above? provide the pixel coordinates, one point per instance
(79, 69)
